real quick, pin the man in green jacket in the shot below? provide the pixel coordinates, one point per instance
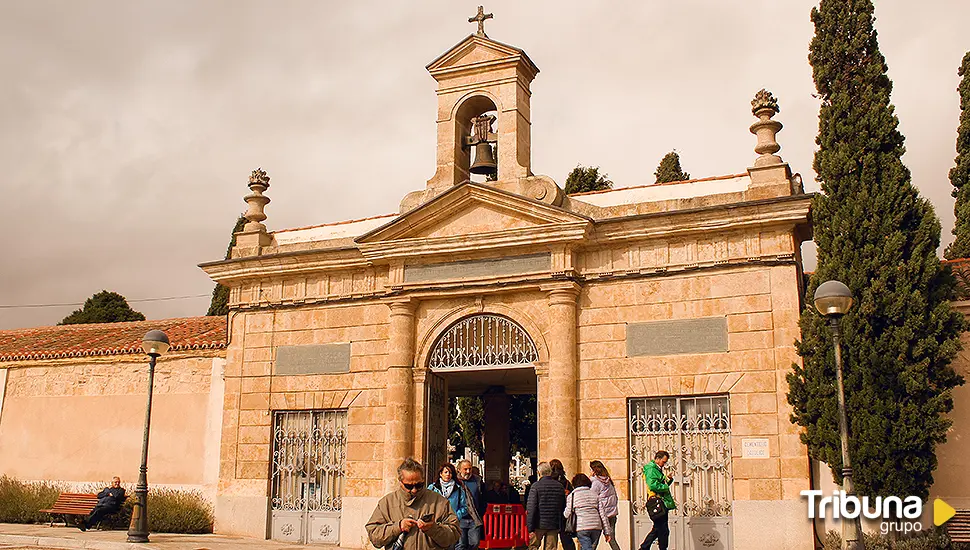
(659, 483)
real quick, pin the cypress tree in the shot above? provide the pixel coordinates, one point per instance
(670, 170)
(586, 178)
(960, 174)
(219, 305)
(875, 234)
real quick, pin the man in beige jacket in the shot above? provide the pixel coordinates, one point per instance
(412, 517)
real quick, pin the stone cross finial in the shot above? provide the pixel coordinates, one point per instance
(764, 106)
(480, 19)
(258, 183)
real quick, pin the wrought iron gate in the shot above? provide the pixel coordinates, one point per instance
(696, 431)
(437, 428)
(309, 454)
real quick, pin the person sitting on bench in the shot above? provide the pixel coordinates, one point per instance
(110, 500)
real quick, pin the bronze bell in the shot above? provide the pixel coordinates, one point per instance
(484, 160)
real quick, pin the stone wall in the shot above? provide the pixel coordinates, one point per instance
(760, 305)
(81, 420)
(254, 390)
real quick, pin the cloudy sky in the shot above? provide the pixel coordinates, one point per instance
(130, 128)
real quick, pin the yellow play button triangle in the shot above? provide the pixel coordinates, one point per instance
(942, 512)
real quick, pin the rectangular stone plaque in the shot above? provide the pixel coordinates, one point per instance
(755, 447)
(478, 269)
(313, 359)
(707, 335)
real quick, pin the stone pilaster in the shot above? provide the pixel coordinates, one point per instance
(398, 393)
(559, 413)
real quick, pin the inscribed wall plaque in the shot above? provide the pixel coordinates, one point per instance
(317, 359)
(755, 447)
(707, 335)
(477, 269)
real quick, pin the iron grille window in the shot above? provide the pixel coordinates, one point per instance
(309, 458)
(696, 431)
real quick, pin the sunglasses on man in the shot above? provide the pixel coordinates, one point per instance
(412, 486)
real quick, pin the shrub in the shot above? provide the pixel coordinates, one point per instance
(169, 510)
(173, 511)
(20, 502)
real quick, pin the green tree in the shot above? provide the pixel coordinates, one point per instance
(586, 178)
(960, 174)
(220, 294)
(523, 434)
(103, 307)
(466, 421)
(670, 170)
(875, 234)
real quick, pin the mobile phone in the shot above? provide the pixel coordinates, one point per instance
(427, 518)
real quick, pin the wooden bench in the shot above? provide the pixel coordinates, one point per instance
(72, 504)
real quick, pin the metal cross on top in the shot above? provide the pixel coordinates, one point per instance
(480, 19)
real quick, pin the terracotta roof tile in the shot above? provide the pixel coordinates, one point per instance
(109, 338)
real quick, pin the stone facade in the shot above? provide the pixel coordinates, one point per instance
(575, 273)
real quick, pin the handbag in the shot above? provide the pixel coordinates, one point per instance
(655, 506)
(571, 521)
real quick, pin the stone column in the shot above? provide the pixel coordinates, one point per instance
(399, 389)
(497, 426)
(560, 425)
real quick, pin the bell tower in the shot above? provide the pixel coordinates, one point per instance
(483, 111)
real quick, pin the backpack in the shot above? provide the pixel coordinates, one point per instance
(655, 507)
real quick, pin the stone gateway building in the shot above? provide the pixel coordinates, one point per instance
(643, 318)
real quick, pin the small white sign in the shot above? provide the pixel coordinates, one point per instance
(754, 448)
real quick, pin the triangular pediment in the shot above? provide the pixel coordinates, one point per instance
(472, 209)
(476, 50)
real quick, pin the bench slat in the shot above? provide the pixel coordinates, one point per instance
(73, 503)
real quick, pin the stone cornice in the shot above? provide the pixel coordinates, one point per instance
(300, 262)
(786, 211)
(406, 235)
(458, 198)
(508, 239)
(510, 54)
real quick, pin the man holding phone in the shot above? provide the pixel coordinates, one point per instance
(411, 517)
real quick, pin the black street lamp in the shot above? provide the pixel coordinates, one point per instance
(833, 299)
(155, 343)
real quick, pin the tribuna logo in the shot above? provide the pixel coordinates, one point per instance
(851, 506)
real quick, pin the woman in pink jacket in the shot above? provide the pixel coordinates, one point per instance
(603, 487)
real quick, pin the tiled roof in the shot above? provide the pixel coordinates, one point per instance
(109, 338)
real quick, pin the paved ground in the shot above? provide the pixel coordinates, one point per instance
(42, 537)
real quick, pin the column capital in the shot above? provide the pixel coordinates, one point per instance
(419, 375)
(542, 368)
(564, 292)
(402, 305)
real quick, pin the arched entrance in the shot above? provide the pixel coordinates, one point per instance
(486, 355)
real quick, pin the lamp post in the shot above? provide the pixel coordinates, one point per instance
(155, 343)
(833, 299)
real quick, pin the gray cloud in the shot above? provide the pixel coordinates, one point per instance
(129, 128)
